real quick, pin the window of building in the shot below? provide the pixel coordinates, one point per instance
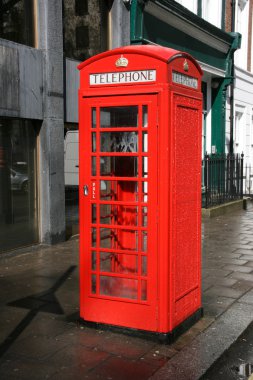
(212, 12)
(204, 114)
(239, 130)
(18, 184)
(192, 5)
(242, 26)
(82, 37)
(85, 28)
(81, 7)
(251, 132)
(17, 21)
(71, 173)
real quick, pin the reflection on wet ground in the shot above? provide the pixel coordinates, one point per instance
(237, 362)
(39, 304)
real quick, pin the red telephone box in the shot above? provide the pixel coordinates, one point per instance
(140, 111)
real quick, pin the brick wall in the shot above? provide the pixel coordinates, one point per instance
(228, 16)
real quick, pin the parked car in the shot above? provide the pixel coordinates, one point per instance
(19, 181)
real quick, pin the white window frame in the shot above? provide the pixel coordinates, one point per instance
(239, 128)
(191, 5)
(242, 27)
(251, 129)
(212, 11)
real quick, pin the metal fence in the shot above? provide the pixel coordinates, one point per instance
(222, 180)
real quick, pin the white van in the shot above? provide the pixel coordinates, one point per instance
(71, 159)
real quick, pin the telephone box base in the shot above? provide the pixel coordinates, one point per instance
(163, 338)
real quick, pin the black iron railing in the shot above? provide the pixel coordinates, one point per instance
(222, 180)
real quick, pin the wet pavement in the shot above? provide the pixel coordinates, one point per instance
(237, 362)
(41, 338)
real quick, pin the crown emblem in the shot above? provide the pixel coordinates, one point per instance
(186, 65)
(121, 62)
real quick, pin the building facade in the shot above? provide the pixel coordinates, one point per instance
(41, 44)
(40, 48)
(243, 90)
(234, 17)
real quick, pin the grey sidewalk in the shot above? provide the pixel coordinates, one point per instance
(40, 338)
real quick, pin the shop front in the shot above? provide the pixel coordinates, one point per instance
(178, 28)
(18, 189)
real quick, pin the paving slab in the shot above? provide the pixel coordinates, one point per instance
(195, 359)
(41, 337)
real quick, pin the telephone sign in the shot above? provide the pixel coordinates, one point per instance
(123, 77)
(140, 114)
(185, 80)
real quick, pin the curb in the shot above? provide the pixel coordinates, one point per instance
(194, 360)
(223, 209)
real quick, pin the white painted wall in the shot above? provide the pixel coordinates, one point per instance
(243, 106)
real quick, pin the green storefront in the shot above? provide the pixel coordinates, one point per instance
(167, 23)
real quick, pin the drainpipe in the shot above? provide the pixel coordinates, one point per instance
(231, 143)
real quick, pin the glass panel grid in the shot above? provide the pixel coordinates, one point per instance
(122, 250)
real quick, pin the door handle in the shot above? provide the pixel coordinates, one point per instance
(86, 190)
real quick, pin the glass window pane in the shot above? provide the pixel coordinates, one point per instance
(144, 266)
(124, 142)
(93, 166)
(126, 191)
(127, 215)
(119, 215)
(119, 166)
(93, 118)
(144, 290)
(145, 116)
(93, 237)
(119, 239)
(93, 139)
(119, 117)
(106, 214)
(93, 284)
(144, 217)
(144, 142)
(93, 260)
(119, 287)
(18, 184)
(144, 191)
(118, 263)
(17, 21)
(94, 213)
(144, 241)
(144, 167)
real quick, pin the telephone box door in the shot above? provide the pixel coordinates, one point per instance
(118, 210)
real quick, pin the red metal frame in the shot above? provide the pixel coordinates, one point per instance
(115, 286)
(123, 250)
